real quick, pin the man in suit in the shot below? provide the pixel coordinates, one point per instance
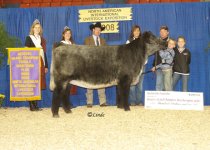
(96, 40)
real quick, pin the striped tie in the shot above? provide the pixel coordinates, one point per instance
(97, 42)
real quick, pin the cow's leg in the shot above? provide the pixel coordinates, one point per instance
(65, 99)
(59, 94)
(119, 102)
(123, 89)
(56, 101)
(117, 98)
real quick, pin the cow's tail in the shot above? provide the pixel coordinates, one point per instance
(52, 82)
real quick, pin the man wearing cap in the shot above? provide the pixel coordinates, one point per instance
(164, 35)
(96, 40)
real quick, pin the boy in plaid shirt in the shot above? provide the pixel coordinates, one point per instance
(167, 57)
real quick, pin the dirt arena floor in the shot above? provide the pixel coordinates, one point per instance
(106, 128)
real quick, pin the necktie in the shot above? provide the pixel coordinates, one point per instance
(97, 42)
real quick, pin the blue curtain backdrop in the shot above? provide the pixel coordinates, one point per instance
(188, 19)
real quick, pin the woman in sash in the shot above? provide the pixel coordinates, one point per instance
(35, 39)
(67, 36)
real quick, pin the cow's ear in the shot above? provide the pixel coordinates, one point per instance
(146, 36)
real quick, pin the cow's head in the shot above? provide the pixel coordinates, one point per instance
(152, 43)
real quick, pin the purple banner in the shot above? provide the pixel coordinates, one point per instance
(24, 74)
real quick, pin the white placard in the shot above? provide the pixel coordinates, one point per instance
(174, 100)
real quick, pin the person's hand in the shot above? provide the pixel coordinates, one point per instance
(46, 70)
(153, 69)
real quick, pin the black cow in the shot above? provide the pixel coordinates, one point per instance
(98, 67)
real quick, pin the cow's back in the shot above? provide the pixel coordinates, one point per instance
(88, 63)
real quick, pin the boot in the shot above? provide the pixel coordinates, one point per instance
(35, 103)
(32, 108)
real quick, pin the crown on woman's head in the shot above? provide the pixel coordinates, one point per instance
(36, 21)
(66, 28)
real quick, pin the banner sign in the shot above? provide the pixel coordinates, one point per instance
(174, 100)
(110, 27)
(105, 14)
(25, 76)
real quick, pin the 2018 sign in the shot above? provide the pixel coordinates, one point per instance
(110, 27)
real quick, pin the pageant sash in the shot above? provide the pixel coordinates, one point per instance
(37, 43)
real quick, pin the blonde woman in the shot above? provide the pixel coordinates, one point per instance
(35, 39)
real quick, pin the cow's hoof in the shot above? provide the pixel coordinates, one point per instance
(55, 116)
(68, 111)
(127, 109)
(118, 106)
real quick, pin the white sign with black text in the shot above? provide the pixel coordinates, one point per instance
(174, 100)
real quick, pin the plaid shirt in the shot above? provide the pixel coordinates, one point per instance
(167, 57)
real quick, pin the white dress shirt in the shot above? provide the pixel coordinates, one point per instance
(95, 38)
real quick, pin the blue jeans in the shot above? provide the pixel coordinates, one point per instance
(185, 78)
(159, 80)
(135, 95)
(167, 79)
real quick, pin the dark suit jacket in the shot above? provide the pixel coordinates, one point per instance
(90, 41)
